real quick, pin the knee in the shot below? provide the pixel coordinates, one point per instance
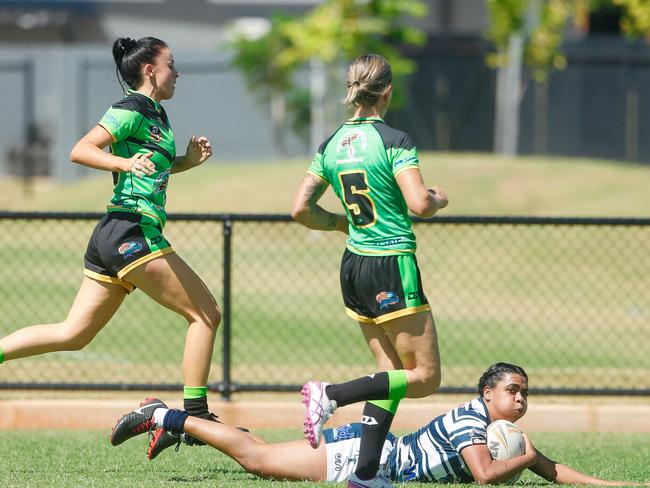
(427, 382)
(72, 340)
(210, 317)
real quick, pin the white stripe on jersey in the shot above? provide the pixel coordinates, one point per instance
(433, 452)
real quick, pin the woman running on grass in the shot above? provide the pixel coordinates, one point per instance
(374, 170)
(127, 249)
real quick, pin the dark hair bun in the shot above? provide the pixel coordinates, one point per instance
(121, 48)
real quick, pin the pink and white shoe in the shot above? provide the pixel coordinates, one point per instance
(319, 409)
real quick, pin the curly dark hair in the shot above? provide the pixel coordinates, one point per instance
(496, 372)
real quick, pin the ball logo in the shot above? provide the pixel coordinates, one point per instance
(154, 132)
(129, 248)
(387, 298)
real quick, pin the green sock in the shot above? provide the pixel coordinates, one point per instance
(388, 405)
(397, 383)
(195, 400)
(2, 356)
(191, 392)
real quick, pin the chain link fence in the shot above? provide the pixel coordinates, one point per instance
(566, 298)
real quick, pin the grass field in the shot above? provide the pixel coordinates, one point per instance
(62, 459)
(569, 304)
(478, 184)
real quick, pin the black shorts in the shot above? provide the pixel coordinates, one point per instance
(377, 289)
(121, 242)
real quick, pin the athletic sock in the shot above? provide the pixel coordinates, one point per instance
(377, 417)
(159, 416)
(195, 400)
(174, 420)
(387, 385)
(2, 356)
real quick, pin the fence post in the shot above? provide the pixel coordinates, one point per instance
(227, 302)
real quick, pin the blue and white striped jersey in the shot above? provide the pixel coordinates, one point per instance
(433, 452)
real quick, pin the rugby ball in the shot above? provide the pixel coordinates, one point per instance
(505, 441)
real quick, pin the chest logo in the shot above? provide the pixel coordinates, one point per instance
(154, 133)
(350, 141)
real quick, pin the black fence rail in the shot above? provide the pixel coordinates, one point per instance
(567, 298)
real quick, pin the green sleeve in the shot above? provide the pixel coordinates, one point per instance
(121, 123)
(316, 167)
(402, 158)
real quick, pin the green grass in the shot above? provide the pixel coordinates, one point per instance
(479, 184)
(63, 459)
(568, 303)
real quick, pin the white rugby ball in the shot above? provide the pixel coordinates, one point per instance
(505, 441)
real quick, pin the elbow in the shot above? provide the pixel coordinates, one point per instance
(424, 209)
(74, 154)
(299, 214)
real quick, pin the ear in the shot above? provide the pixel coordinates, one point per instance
(149, 70)
(388, 92)
(487, 393)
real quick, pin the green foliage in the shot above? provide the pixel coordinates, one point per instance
(335, 32)
(636, 20)
(543, 40)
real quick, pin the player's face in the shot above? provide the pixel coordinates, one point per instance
(165, 74)
(508, 399)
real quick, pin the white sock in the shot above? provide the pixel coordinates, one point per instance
(159, 416)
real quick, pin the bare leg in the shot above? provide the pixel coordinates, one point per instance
(95, 304)
(415, 341)
(381, 347)
(173, 284)
(294, 460)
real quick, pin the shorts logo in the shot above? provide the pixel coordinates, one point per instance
(129, 248)
(387, 298)
(343, 432)
(154, 132)
(414, 295)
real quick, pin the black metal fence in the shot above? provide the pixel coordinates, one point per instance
(569, 299)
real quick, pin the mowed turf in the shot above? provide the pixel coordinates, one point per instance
(62, 459)
(569, 303)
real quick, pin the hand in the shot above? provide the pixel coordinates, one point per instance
(531, 452)
(440, 195)
(198, 150)
(140, 165)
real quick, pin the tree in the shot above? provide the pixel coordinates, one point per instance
(530, 33)
(333, 33)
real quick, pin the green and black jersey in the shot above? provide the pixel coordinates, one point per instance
(360, 160)
(139, 124)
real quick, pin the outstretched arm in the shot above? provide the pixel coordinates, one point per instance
(305, 208)
(561, 473)
(487, 470)
(198, 150)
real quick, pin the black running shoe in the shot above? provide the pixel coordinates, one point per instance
(161, 440)
(191, 441)
(136, 422)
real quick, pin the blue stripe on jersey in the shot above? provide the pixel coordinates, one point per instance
(433, 453)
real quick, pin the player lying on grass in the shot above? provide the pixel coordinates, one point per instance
(450, 448)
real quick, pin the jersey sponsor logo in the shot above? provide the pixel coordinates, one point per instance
(387, 298)
(154, 132)
(401, 162)
(347, 143)
(129, 248)
(161, 182)
(478, 436)
(112, 120)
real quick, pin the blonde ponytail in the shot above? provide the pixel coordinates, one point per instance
(367, 78)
